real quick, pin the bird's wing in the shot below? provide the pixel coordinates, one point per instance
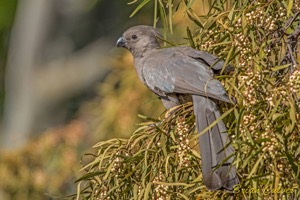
(210, 60)
(171, 71)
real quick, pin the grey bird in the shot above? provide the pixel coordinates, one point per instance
(176, 73)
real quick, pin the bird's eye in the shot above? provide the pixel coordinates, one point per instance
(134, 37)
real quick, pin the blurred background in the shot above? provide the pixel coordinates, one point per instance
(64, 86)
(61, 90)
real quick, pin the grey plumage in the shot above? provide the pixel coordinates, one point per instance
(212, 147)
(176, 74)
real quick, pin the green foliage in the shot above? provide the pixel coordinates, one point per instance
(254, 37)
(161, 159)
(261, 40)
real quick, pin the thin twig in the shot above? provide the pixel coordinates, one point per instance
(291, 20)
(292, 43)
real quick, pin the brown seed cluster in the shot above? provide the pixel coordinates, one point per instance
(212, 37)
(160, 191)
(243, 44)
(182, 130)
(283, 167)
(118, 164)
(261, 18)
(297, 5)
(271, 147)
(292, 87)
(251, 83)
(273, 94)
(101, 193)
(294, 81)
(247, 120)
(258, 18)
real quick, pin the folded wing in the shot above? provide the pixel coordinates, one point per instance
(171, 71)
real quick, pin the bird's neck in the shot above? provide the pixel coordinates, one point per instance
(145, 50)
(138, 65)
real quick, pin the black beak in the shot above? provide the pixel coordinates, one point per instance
(121, 42)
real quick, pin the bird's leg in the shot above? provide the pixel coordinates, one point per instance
(170, 102)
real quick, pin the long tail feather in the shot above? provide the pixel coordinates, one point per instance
(214, 147)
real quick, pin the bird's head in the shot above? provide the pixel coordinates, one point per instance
(140, 39)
